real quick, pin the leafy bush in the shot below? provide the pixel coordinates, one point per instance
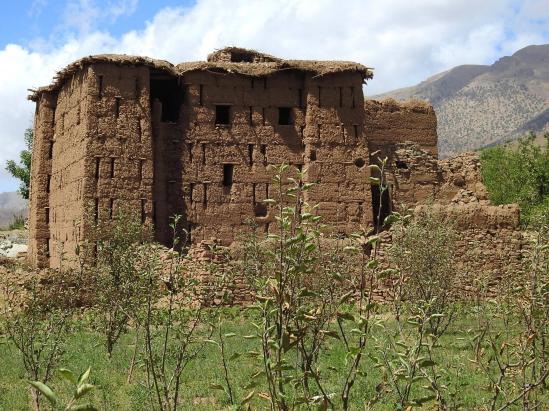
(519, 175)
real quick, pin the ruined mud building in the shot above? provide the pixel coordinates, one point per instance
(195, 139)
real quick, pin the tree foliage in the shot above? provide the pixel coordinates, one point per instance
(21, 171)
(519, 175)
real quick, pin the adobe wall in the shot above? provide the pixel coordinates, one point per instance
(39, 213)
(389, 122)
(325, 138)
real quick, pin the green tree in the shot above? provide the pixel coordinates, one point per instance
(22, 171)
(519, 175)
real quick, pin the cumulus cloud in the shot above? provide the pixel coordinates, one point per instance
(403, 41)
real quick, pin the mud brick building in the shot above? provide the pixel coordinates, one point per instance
(195, 139)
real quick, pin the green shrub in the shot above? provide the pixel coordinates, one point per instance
(519, 175)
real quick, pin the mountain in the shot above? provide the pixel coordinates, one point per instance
(11, 204)
(479, 105)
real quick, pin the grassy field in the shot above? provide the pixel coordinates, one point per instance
(467, 388)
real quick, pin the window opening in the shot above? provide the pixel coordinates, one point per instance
(285, 116)
(228, 171)
(222, 114)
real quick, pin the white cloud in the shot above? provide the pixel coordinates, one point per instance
(404, 41)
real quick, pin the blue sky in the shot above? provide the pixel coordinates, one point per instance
(404, 41)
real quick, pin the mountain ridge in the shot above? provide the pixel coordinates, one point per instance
(483, 105)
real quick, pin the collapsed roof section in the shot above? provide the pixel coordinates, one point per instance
(227, 60)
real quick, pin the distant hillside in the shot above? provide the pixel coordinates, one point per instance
(479, 105)
(11, 204)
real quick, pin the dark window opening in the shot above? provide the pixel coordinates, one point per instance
(190, 148)
(78, 116)
(263, 151)
(359, 162)
(117, 106)
(203, 148)
(318, 126)
(154, 212)
(191, 190)
(285, 116)
(205, 194)
(401, 165)
(253, 193)
(96, 210)
(111, 174)
(381, 205)
(260, 210)
(168, 92)
(319, 97)
(97, 164)
(200, 95)
(111, 208)
(228, 171)
(250, 154)
(222, 114)
(48, 184)
(312, 155)
(50, 151)
(47, 212)
(100, 86)
(143, 210)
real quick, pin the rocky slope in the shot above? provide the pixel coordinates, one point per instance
(478, 105)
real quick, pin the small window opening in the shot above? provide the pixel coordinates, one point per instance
(47, 212)
(380, 206)
(50, 150)
(191, 192)
(250, 116)
(285, 116)
(263, 151)
(359, 162)
(205, 194)
(228, 171)
(143, 210)
(100, 86)
(139, 130)
(222, 114)
(78, 115)
(318, 126)
(48, 183)
(200, 95)
(203, 148)
(253, 193)
(111, 174)
(312, 156)
(260, 210)
(319, 96)
(97, 164)
(154, 212)
(401, 165)
(111, 208)
(96, 210)
(117, 106)
(250, 154)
